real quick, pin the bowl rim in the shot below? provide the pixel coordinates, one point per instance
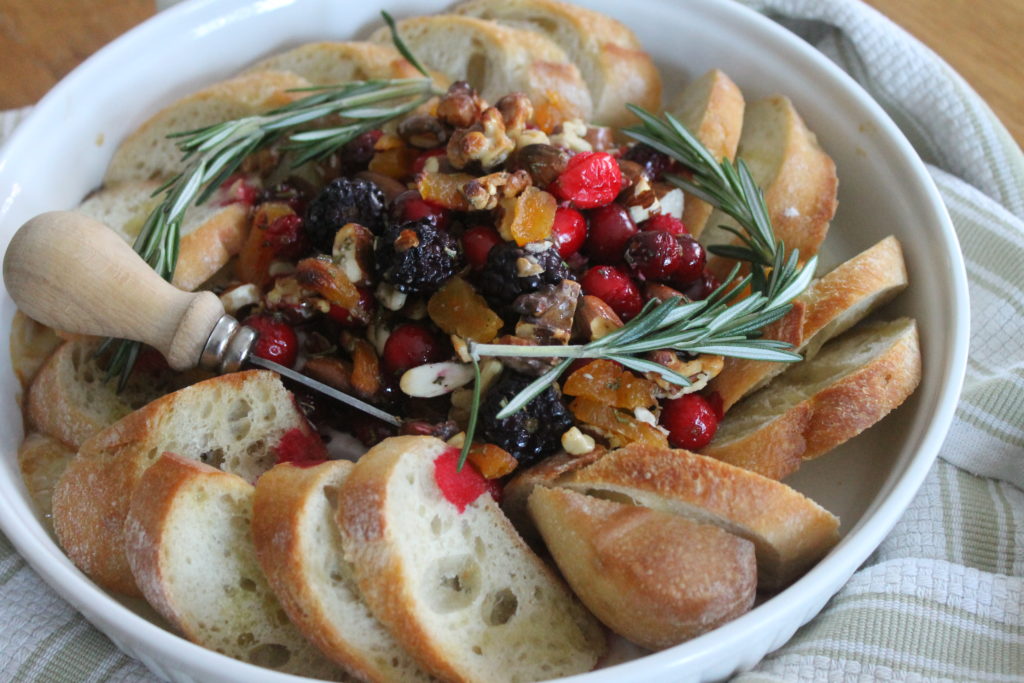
(800, 600)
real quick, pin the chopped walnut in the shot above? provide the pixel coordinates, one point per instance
(460, 106)
(516, 111)
(485, 141)
(423, 131)
(699, 371)
(484, 192)
(594, 319)
(570, 134)
(631, 172)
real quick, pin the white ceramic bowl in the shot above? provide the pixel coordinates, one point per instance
(59, 154)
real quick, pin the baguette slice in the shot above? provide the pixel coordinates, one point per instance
(851, 384)
(235, 422)
(300, 550)
(610, 58)
(516, 492)
(32, 344)
(829, 307)
(459, 590)
(711, 108)
(331, 63)
(497, 60)
(797, 176)
(187, 537)
(655, 578)
(790, 532)
(149, 154)
(211, 233)
(42, 459)
(71, 399)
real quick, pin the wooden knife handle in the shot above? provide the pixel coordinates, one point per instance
(73, 273)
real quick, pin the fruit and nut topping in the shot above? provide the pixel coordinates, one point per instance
(380, 268)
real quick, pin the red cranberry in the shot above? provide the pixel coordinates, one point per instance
(367, 303)
(410, 345)
(610, 230)
(701, 288)
(237, 189)
(692, 262)
(615, 287)
(477, 243)
(691, 421)
(286, 237)
(421, 160)
(655, 254)
(590, 179)
(663, 221)
(277, 340)
(569, 231)
(654, 163)
(357, 153)
(410, 206)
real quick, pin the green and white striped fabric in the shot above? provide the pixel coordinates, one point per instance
(943, 597)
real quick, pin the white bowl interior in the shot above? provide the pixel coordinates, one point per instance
(60, 153)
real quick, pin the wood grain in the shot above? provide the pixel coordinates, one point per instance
(40, 41)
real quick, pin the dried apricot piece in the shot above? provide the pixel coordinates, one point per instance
(262, 244)
(444, 189)
(608, 382)
(619, 427)
(492, 461)
(457, 309)
(528, 217)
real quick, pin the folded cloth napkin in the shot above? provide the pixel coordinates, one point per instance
(943, 597)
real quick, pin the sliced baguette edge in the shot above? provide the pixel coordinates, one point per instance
(813, 407)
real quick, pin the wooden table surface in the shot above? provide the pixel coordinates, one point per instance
(40, 41)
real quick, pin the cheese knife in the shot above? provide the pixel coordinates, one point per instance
(73, 273)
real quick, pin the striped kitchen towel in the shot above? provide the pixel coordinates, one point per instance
(943, 597)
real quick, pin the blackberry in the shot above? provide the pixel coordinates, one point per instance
(415, 257)
(535, 430)
(653, 162)
(504, 277)
(342, 201)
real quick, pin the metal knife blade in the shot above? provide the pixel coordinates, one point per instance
(324, 389)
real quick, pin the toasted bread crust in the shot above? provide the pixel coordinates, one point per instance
(381, 574)
(789, 531)
(798, 178)
(155, 494)
(91, 500)
(653, 577)
(147, 154)
(833, 414)
(42, 459)
(515, 60)
(711, 108)
(516, 492)
(286, 507)
(610, 58)
(331, 62)
(830, 306)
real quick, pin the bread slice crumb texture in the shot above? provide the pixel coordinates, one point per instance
(461, 591)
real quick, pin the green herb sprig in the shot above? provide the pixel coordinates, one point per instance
(214, 152)
(721, 324)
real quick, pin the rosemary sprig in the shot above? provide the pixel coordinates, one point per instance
(721, 324)
(215, 152)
